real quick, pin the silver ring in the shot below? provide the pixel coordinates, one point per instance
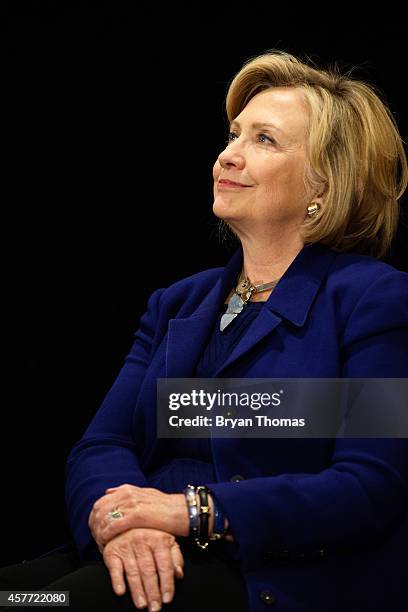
(115, 514)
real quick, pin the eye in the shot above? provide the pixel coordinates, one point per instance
(264, 138)
(231, 136)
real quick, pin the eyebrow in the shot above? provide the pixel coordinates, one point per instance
(258, 125)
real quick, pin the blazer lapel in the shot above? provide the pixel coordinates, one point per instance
(264, 324)
(188, 336)
(291, 300)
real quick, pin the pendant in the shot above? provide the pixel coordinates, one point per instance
(235, 306)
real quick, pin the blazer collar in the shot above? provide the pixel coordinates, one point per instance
(291, 299)
(293, 296)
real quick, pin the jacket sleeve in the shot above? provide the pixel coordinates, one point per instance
(106, 455)
(364, 489)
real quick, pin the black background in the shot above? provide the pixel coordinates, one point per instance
(112, 116)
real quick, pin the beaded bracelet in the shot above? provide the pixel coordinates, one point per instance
(190, 494)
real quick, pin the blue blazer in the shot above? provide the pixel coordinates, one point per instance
(320, 524)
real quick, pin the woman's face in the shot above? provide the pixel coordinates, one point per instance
(266, 153)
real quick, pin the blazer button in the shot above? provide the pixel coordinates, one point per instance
(267, 597)
(236, 478)
(230, 413)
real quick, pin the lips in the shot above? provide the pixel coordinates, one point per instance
(231, 183)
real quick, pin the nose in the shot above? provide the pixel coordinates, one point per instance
(231, 156)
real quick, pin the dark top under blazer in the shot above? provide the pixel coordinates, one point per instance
(331, 315)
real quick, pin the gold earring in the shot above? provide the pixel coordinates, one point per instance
(312, 209)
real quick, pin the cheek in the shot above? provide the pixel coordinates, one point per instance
(283, 182)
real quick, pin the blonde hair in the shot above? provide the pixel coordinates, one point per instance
(355, 152)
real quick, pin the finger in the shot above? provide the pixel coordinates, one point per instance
(100, 510)
(115, 567)
(178, 560)
(105, 527)
(165, 569)
(120, 487)
(133, 576)
(150, 579)
(109, 528)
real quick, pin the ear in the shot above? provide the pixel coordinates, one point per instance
(318, 199)
(319, 196)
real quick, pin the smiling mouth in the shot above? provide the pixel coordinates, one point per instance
(231, 184)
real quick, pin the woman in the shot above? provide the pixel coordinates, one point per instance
(309, 183)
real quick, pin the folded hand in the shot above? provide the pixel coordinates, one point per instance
(141, 507)
(148, 559)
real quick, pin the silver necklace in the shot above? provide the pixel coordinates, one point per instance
(239, 299)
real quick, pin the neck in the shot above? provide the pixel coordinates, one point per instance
(266, 262)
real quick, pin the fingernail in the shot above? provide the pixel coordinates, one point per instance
(179, 570)
(141, 602)
(166, 597)
(155, 606)
(119, 588)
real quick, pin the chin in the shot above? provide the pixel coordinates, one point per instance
(223, 209)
